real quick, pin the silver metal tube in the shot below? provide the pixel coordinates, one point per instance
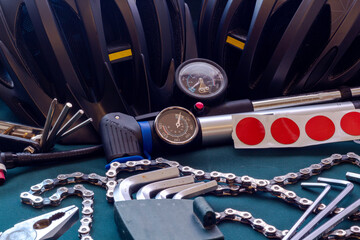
(218, 129)
(282, 102)
(303, 99)
(355, 91)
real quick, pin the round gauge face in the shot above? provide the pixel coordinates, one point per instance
(201, 79)
(176, 125)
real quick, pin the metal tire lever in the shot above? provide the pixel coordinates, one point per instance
(131, 184)
(330, 207)
(310, 209)
(150, 190)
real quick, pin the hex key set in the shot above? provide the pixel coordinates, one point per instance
(166, 183)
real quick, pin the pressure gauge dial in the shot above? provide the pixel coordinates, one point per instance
(176, 125)
(201, 79)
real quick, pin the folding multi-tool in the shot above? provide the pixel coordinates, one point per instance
(21, 138)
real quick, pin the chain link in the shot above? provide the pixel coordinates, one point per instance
(272, 232)
(229, 185)
(33, 197)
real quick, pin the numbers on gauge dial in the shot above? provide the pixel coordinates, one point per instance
(176, 125)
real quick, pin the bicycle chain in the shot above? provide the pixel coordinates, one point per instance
(33, 197)
(272, 232)
(229, 185)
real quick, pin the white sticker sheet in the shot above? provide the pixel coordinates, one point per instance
(294, 130)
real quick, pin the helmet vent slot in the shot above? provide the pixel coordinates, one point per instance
(78, 47)
(152, 32)
(312, 46)
(273, 31)
(5, 78)
(239, 29)
(118, 40)
(178, 40)
(349, 59)
(29, 46)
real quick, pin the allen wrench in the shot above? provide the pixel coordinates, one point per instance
(327, 210)
(195, 191)
(330, 224)
(150, 190)
(310, 209)
(170, 192)
(51, 134)
(132, 184)
(355, 177)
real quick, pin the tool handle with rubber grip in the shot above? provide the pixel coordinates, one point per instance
(121, 136)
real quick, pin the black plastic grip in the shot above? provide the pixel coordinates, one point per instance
(10, 143)
(121, 136)
(230, 107)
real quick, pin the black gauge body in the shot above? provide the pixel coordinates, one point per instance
(201, 80)
(176, 126)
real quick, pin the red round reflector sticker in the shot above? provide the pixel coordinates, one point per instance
(350, 123)
(285, 131)
(250, 131)
(320, 128)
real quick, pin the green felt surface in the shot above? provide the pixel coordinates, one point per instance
(256, 163)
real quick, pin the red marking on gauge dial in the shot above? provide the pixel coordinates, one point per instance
(285, 131)
(320, 128)
(250, 131)
(350, 123)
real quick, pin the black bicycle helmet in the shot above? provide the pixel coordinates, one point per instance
(102, 56)
(280, 47)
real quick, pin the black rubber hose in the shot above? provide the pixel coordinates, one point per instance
(12, 160)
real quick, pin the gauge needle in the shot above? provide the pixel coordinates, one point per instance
(202, 84)
(193, 87)
(178, 121)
